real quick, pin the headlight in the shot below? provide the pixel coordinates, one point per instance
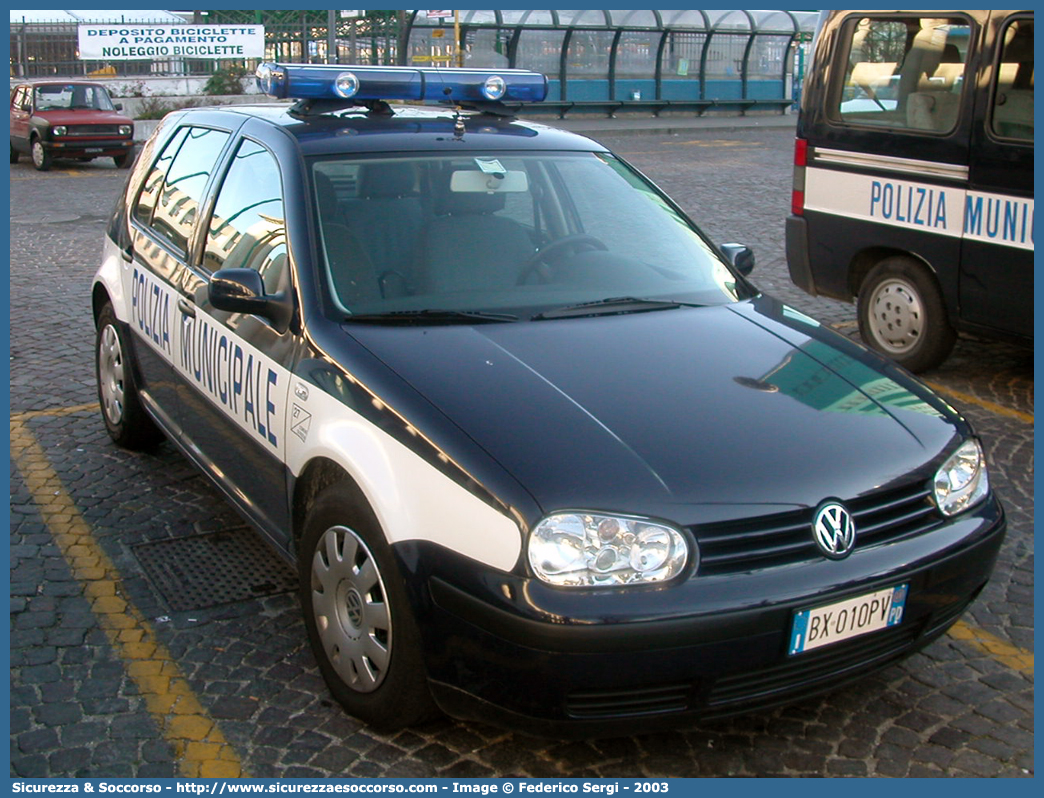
(126, 130)
(962, 480)
(59, 130)
(587, 549)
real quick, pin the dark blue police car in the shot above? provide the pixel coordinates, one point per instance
(541, 452)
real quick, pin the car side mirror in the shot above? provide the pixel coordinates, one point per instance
(741, 257)
(118, 106)
(243, 291)
(27, 106)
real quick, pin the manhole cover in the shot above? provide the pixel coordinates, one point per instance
(202, 571)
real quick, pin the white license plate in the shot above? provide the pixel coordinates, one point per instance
(846, 619)
(93, 149)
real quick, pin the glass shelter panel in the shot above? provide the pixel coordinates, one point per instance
(729, 20)
(641, 18)
(529, 18)
(541, 51)
(681, 65)
(685, 19)
(725, 56)
(486, 47)
(636, 54)
(767, 56)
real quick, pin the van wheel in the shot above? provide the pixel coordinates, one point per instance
(41, 157)
(125, 418)
(902, 314)
(14, 154)
(357, 614)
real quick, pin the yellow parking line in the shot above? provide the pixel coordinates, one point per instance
(199, 746)
(985, 404)
(1014, 657)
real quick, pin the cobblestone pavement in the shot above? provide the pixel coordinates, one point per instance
(109, 679)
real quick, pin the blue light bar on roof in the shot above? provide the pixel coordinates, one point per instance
(419, 84)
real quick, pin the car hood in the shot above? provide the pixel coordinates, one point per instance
(723, 407)
(84, 117)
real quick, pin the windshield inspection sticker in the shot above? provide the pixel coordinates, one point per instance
(492, 167)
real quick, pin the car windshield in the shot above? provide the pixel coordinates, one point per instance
(506, 234)
(72, 96)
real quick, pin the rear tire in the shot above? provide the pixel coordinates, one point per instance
(14, 154)
(357, 614)
(125, 418)
(902, 314)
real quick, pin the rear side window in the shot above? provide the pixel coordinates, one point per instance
(170, 197)
(904, 73)
(1013, 93)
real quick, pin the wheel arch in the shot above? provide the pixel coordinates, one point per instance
(99, 299)
(866, 259)
(319, 474)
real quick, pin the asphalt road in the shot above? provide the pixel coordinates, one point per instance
(119, 669)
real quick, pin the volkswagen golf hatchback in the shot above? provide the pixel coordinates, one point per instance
(541, 453)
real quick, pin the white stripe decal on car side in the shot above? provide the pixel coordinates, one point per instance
(413, 500)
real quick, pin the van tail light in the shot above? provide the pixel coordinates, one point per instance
(797, 195)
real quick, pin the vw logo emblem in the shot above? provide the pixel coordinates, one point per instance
(834, 530)
(355, 608)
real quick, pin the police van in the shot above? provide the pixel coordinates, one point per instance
(913, 177)
(541, 452)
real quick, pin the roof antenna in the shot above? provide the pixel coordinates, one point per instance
(458, 123)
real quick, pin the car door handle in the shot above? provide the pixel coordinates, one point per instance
(187, 308)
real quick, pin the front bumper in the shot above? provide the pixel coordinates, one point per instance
(518, 653)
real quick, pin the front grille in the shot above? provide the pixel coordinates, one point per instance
(93, 130)
(804, 671)
(836, 662)
(629, 703)
(784, 538)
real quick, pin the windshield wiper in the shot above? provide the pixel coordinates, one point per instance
(603, 307)
(431, 316)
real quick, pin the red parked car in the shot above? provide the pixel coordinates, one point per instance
(68, 119)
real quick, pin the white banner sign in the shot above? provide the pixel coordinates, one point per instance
(125, 42)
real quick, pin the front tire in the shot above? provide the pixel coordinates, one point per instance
(41, 157)
(357, 614)
(125, 418)
(902, 314)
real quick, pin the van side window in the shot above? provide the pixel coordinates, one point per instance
(1013, 93)
(247, 229)
(905, 73)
